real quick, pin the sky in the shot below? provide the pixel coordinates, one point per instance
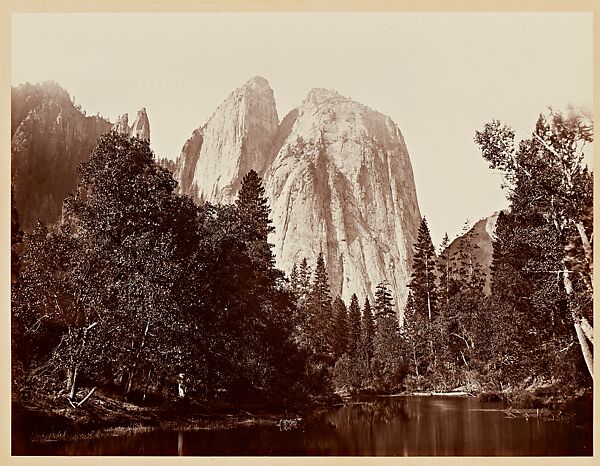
(439, 76)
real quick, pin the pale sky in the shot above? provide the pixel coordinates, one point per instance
(440, 77)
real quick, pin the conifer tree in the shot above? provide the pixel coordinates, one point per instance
(387, 347)
(383, 301)
(368, 329)
(304, 285)
(354, 328)
(321, 313)
(253, 210)
(423, 292)
(340, 330)
(294, 283)
(422, 282)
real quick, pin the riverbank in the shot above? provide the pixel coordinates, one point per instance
(104, 415)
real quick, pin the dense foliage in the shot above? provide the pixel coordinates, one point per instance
(142, 292)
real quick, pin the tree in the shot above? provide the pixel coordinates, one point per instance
(354, 327)
(253, 210)
(304, 274)
(387, 346)
(340, 329)
(131, 236)
(423, 289)
(383, 301)
(321, 316)
(422, 281)
(550, 184)
(368, 329)
(294, 280)
(415, 338)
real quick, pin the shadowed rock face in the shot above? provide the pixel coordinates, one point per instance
(337, 175)
(50, 138)
(478, 242)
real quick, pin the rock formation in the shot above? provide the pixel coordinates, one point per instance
(342, 183)
(337, 175)
(140, 128)
(478, 242)
(236, 139)
(50, 138)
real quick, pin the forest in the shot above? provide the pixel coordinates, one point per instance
(142, 294)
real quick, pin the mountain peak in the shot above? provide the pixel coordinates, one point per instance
(320, 95)
(257, 80)
(141, 125)
(257, 83)
(140, 128)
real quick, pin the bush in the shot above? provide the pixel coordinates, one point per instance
(527, 400)
(490, 396)
(415, 383)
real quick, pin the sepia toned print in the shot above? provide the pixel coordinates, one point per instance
(373, 240)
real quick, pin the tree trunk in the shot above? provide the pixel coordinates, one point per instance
(429, 305)
(86, 397)
(585, 349)
(587, 329)
(73, 379)
(416, 362)
(137, 357)
(587, 245)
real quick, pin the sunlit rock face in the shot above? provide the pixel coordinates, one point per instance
(342, 183)
(50, 137)
(236, 139)
(140, 128)
(337, 175)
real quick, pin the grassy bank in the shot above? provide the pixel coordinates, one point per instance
(54, 419)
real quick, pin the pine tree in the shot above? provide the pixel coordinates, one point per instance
(294, 283)
(423, 290)
(354, 328)
(253, 210)
(368, 328)
(304, 285)
(387, 346)
(422, 282)
(383, 301)
(340, 330)
(320, 310)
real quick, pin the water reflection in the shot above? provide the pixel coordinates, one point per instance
(409, 426)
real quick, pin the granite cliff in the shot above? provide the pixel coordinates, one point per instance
(337, 175)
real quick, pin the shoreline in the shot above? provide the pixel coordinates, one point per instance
(56, 424)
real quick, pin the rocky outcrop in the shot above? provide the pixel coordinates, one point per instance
(236, 139)
(122, 125)
(50, 138)
(477, 243)
(186, 164)
(337, 175)
(140, 128)
(342, 183)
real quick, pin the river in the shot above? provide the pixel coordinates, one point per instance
(371, 426)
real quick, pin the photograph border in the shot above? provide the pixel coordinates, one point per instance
(256, 6)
